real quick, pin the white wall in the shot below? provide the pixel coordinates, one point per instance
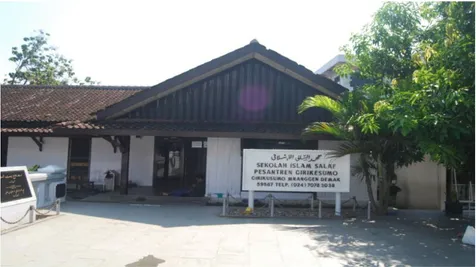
(223, 166)
(224, 170)
(141, 160)
(224, 173)
(103, 158)
(23, 151)
(345, 81)
(423, 185)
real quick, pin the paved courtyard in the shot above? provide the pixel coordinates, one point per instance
(105, 234)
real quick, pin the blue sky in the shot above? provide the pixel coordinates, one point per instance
(145, 42)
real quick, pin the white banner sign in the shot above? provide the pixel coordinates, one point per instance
(295, 171)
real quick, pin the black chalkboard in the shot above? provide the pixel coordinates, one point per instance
(14, 186)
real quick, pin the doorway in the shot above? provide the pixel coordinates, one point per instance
(177, 164)
(78, 163)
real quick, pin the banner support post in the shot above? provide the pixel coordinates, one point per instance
(312, 201)
(338, 204)
(251, 199)
(320, 209)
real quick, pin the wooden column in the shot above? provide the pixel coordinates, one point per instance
(125, 151)
(4, 148)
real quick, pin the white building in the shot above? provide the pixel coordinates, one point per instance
(194, 124)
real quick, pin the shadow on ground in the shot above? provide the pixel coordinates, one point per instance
(415, 238)
(411, 238)
(171, 215)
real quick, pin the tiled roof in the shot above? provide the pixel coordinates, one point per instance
(37, 130)
(59, 103)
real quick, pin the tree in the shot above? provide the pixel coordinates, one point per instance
(421, 57)
(379, 153)
(418, 60)
(38, 63)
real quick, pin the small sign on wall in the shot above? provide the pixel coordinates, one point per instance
(295, 171)
(196, 144)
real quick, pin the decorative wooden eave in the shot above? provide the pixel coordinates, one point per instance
(117, 142)
(38, 141)
(114, 142)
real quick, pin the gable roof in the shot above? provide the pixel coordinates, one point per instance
(59, 103)
(252, 50)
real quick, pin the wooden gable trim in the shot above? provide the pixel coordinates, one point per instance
(296, 76)
(252, 55)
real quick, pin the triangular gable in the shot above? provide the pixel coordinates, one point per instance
(252, 51)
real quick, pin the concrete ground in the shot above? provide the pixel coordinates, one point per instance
(106, 234)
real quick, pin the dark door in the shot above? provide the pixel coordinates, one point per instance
(79, 160)
(195, 161)
(177, 162)
(168, 164)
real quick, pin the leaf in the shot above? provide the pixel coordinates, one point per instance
(327, 128)
(321, 101)
(349, 147)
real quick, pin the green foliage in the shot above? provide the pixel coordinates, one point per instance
(323, 102)
(33, 168)
(38, 63)
(420, 59)
(356, 122)
(328, 128)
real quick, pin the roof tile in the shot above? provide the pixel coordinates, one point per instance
(59, 103)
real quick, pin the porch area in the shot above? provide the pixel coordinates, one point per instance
(137, 166)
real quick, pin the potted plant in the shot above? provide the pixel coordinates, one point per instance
(34, 168)
(110, 179)
(109, 174)
(453, 206)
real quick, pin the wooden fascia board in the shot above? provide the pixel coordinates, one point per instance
(296, 76)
